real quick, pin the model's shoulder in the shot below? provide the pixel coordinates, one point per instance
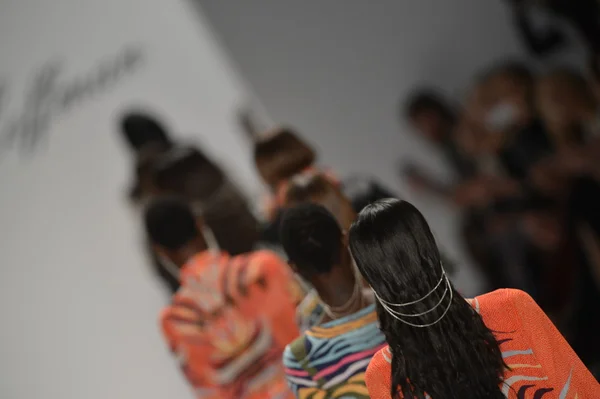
(382, 359)
(295, 353)
(378, 375)
(501, 297)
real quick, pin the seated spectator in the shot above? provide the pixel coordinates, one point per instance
(570, 113)
(507, 139)
(328, 360)
(583, 233)
(511, 137)
(567, 106)
(442, 346)
(232, 317)
(540, 42)
(582, 15)
(434, 119)
(188, 173)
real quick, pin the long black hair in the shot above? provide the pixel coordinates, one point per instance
(457, 357)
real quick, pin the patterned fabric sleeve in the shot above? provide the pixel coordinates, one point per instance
(299, 375)
(554, 352)
(292, 369)
(378, 377)
(179, 328)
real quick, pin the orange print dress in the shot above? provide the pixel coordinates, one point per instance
(229, 323)
(541, 363)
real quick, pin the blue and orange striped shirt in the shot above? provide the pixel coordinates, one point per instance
(330, 360)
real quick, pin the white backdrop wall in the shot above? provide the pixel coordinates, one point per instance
(79, 306)
(337, 70)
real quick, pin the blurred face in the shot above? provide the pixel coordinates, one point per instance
(543, 229)
(560, 104)
(430, 124)
(555, 108)
(507, 103)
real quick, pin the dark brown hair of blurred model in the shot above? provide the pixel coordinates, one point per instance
(280, 155)
(315, 187)
(190, 174)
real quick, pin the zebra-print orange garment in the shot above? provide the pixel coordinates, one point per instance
(229, 323)
(541, 363)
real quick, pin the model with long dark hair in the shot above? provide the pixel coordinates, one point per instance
(441, 345)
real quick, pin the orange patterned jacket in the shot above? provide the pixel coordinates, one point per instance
(229, 323)
(541, 362)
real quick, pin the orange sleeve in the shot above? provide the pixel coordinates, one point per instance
(179, 330)
(379, 376)
(270, 270)
(553, 350)
(275, 294)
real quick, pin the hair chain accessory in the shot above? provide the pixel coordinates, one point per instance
(422, 298)
(388, 306)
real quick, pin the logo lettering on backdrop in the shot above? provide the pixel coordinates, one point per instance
(49, 96)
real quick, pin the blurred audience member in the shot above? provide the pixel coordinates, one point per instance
(583, 15)
(187, 172)
(582, 324)
(539, 41)
(510, 128)
(432, 117)
(569, 111)
(441, 346)
(328, 360)
(232, 316)
(567, 106)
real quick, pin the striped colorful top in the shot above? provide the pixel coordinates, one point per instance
(541, 363)
(229, 323)
(330, 360)
(309, 312)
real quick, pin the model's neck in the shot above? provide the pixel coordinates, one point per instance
(339, 289)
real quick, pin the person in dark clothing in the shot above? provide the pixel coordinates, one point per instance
(583, 15)
(538, 42)
(432, 117)
(579, 279)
